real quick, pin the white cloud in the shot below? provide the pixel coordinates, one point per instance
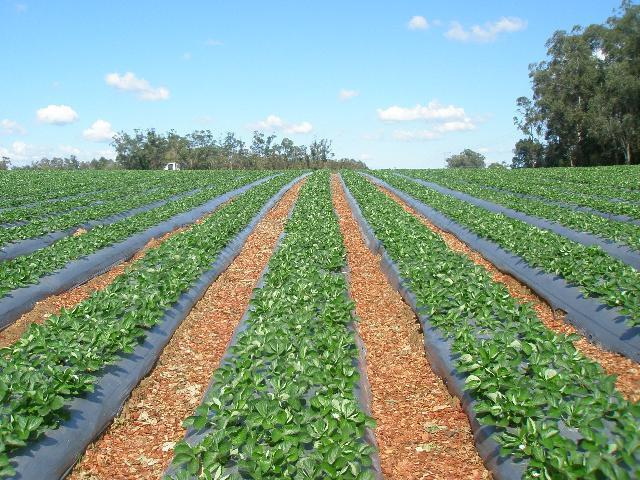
(409, 135)
(487, 32)
(11, 127)
(275, 123)
(19, 148)
(22, 153)
(130, 83)
(456, 126)
(100, 131)
(436, 131)
(432, 111)
(57, 114)
(418, 22)
(213, 43)
(347, 94)
(69, 150)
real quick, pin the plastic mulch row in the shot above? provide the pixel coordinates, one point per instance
(55, 453)
(600, 323)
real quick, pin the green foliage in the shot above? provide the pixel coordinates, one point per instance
(621, 232)
(585, 103)
(28, 269)
(60, 358)
(590, 268)
(549, 404)
(528, 153)
(466, 159)
(282, 404)
(148, 149)
(613, 190)
(136, 195)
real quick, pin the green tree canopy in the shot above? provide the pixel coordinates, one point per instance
(585, 108)
(466, 159)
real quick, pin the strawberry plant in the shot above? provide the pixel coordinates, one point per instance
(549, 404)
(590, 268)
(282, 404)
(28, 269)
(120, 204)
(624, 233)
(607, 189)
(61, 358)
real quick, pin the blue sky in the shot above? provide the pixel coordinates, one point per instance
(395, 83)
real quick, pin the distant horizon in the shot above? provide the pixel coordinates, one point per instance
(394, 85)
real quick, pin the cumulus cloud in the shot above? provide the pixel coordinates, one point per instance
(487, 32)
(275, 123)
(100, 131)
(345, 94)
(130, 83)
(435, 132)
(57, 114)
(432, 111)
(22, 153)
(418, 22)
(11, 127)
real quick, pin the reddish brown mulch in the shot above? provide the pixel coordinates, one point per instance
(421, 430)
(626, 370)
(139, 443)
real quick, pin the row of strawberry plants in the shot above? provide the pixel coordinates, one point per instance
(60, 358)
(594, 271)
(28, 269)
(624, 233)
(549, 404)
(619, 177)
(97, 212)
(282, 404)
(23, 187)
(26, 213)
(599, 182)
(555, 191)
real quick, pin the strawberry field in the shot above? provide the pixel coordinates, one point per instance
(399, 324)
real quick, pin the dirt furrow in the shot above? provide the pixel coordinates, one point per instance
(421, 430)
(139, 444)
(627, 371)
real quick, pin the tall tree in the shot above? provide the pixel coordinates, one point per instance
(585, 107)
(466, 159)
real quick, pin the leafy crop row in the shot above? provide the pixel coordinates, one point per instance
(26, 187)
(283, 405)
(524, 182)
(28, 269)
(625, 233)
(594, 271)
(73, 218)
(53, 207)
(550, 405)
(60, 358)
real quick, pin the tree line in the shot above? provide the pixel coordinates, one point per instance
(200, 150)
(148, 149)
(585, 107)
